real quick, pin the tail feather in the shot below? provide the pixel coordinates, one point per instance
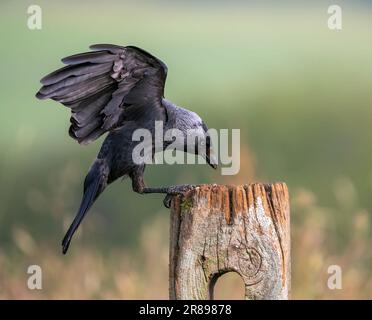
(95, 183)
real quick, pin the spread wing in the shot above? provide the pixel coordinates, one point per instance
(106, 87)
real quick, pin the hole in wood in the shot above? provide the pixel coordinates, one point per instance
(227, 286)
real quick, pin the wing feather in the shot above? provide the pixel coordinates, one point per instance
(92, 57)
(98, 85)
(73, 70)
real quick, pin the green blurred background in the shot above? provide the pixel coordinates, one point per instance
(300, 93)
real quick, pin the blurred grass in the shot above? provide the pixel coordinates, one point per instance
(300, 93)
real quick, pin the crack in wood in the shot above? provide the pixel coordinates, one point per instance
(269, 198)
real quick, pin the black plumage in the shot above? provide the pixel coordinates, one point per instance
(115, 89)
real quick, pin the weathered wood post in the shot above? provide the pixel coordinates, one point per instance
(216, 229)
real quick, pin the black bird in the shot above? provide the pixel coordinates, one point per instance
(118, 89)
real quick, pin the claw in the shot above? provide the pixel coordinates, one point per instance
(170, 191)
(167, 201)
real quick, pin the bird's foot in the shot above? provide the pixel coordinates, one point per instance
(176, 190)
(170, 191)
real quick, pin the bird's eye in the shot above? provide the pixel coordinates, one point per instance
(202, 143)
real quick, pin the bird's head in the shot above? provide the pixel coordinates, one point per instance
(198, 140)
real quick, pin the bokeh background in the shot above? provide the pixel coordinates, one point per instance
(300, 93)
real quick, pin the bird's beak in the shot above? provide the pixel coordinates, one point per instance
(211, 159)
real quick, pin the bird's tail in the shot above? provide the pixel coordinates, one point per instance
(95, 182)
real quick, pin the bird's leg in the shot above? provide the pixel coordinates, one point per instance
(155, 190)
(138, 185)
(170, 191)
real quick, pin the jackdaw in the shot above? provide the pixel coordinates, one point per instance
(118, 90)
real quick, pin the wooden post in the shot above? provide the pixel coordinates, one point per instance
(216, 229)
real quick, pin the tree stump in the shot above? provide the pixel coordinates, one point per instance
(217, 229)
